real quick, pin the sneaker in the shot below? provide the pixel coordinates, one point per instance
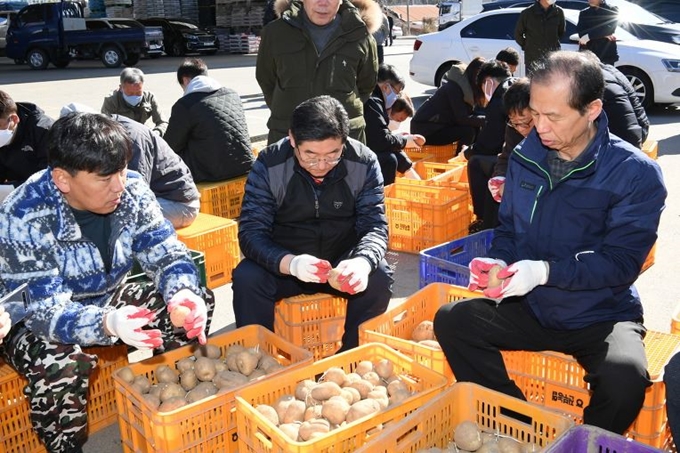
(476, 226)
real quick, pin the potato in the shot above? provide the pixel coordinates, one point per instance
(256, 374)
(208, 350)
(380, 397)
(384, 368)
(295, 412)
(141, 383)
(273, 368)
(363, 367)
(172, 404)
(396, 386)
(246, 361)
(234, 349)
(361, 409)
(434, 344)
(489, 437)
(188, 380)
(229, 379)
(182, 365)
(351, 377)
(292, 430)
(347, 396)
(164, 373)
(204, 369)
(325, 390)
(509, 445)
(466, 435)
(489, 447)
(334, 374)
(231, 362)
(171, 390)
(494, 281)
(303, 388)
(178, 315)
(335, 410)
(423, 331)
(281, 405)
(126, 374)
(220, 365)
(152, 400)
(363, 387)
(201, 391)
(398, 397)
(314, 428)
(313, 412)
(266, 362)
(372, 377)
(269, 413)
(156, 389)
(356, 396)
(334, 279)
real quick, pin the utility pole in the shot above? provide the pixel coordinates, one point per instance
(408, 17)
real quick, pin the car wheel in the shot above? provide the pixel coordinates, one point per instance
(132, 59)
(178, 48)
(61, 62)
(641, 84)
(211, 52)
(443, 69)
(37, 59)
(112, 57)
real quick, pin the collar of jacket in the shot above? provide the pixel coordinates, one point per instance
(538, 8)
(533, 154)
(337, 173)
(350, 17)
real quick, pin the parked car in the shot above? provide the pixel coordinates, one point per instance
(653, 67)
(668, 9)
(181, 36)
(633, 18)
(153, 46)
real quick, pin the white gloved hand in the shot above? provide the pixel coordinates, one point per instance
(354, 274)
(479, 271)
(495, 185)
(583, 40)
(520, 278)
(310, 269)
(126, 323)
(5, 323)
(196, 321)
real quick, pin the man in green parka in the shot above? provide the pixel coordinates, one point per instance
(539, 30)
(318, 47)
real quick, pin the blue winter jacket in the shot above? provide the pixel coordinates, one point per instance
(595, 227)
(69, 287)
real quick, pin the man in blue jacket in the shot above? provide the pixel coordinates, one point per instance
(579, 215)
(314, 201)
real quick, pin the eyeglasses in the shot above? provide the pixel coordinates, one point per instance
(525, 125)
(313, 162)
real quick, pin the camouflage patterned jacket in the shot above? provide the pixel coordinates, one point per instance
(69, 287)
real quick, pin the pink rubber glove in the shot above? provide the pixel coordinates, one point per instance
(520, 278)
(126, 323)
(354, 274)
(309, 268)
(496, 187)
(197, 319)
(479, 272)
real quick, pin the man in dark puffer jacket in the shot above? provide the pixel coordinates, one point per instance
(207, 126)
(313, 201)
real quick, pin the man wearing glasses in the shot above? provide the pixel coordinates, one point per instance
(313, 201)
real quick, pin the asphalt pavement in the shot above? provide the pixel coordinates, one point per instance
(88, 82)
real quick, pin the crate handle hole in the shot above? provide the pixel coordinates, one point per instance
(516, 415)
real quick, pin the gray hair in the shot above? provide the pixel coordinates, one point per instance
(131, 75)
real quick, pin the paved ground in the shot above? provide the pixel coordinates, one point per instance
(88, 81)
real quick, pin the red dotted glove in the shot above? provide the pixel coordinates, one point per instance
(354, 274)
(310, 269)
(495, 187)
(479, 272)
(126, 323)
(519, 279)
(196, 321)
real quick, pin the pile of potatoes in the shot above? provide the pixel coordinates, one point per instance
(338, 398)
(424, 334)
(468, 438)
(201, 375)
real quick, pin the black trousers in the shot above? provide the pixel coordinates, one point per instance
(671, 378)
(443, 134)
(391, 163)
(473, 332)
(480, 168)
(256, 291)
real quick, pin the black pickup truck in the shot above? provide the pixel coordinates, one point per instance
(57, 33)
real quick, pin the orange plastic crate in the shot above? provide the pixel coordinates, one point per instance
(651, 148)
(217, 238)
(437, 174)
(441, 153)
(547, 378)
(675, 321)
(258, 435)
(422, 216)
(433, 424)
(16, 431)
(208, 425)
(316, 322)
(222, 198)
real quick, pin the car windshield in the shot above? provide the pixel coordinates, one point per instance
(183, 25)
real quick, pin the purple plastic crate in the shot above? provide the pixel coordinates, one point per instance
(590, 439)
(448, 263)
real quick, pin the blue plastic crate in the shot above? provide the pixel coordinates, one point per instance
(590, 439)
(448, 263)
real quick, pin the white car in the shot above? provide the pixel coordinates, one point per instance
(653, 67)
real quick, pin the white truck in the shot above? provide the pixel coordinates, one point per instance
(451, 12)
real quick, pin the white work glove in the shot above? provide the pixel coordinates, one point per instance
(196, 321)
(310, 269)
(479, 272)
(583, 40)
(519, 278)
(5, 323)
(126, 323)
(496, 187)
(354, 274)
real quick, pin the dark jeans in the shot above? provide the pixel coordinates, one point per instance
(473, 332)
(443, 134)
(256, 291)
(671, 378)
(480, 168)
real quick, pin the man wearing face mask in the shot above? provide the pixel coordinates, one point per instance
(23, 141)
(539, 29)
(132, 101)
(386, 145)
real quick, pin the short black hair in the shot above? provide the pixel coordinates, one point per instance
(516, 98)
(494, 69)
(191, 67)
(508, 55)
(319, 118)
(88, 142)
(7, 105)
(583, 72)
(388, 73)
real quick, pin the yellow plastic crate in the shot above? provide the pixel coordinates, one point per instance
(222, 198)
(433, 424)
(547, 378)
(316, 322)
(217, 238)
(258, 435)
(441, 153)
(422, 216)
(651, 148)
(437, 174)
(208, 425)
(16, 431)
